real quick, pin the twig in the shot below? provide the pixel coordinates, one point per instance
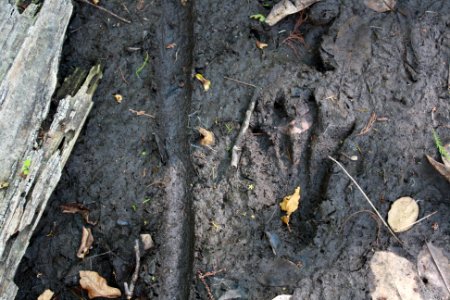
(372, 214)
(202, 277)
(418, 221)
(235, 154)
(106, 11)
(367, 198)
(130, 290)
(241, 82)
(123, 76)
(141, 113)
(368, 127)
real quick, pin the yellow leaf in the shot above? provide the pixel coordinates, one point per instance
(206, 83)
(97, 286)
(290, 204)
(207, 137)
(118, 98)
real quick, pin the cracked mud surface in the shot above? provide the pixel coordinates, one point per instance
(139, 174)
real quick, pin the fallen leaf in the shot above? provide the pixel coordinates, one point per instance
(285, 7)
(205, 82)
(141, 113)
(207, 137)
(46, 295)
(97, 286)
(434, 269)
(73, 208)
(380, 5)
(118, 98)
(261, 45)
(171, 46)
(87, 239)
(395, 277)
(289, 205)
(403, 213)
(4, 184)
(441, 168)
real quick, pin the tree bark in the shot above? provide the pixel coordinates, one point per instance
(31, 156)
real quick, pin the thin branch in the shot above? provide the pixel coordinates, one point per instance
(129, 290)
(106, 11)
(241, 82)
(367, 198)
(418, 221)
(235, 154)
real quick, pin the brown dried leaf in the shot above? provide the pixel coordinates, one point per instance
(171, 46)
(380, 5)
(207, 137)
(73, 208)
(4, 184)
(261, 45)
(46, 295)
(441, 168)
(368, 127)
(118, 98)
(87, 239)
(97, 286)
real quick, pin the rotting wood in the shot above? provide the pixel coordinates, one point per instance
(32, 44)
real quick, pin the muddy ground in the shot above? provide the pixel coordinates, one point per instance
(139, 174)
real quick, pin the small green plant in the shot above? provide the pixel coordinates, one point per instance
(440, 146)
(144, 64)
(26, 167)
(229, 127)
(134, 207)
(251, 187)
(144, 153)
(258, 17)
(146, 200)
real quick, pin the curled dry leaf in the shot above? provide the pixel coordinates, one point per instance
(205, 82)
(380, 5)
(46, 295)
(285, 7)
(87, 239)
(207, 137)
(395, 277)
(4, 185)
(118, 98)
(441, 168)
(289, 205)
(73, 208)
(97, 286)
(403, 213)
(261, 45)
(434, 268)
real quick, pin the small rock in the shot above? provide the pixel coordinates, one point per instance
(147, 241)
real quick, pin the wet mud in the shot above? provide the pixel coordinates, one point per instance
(316, 89)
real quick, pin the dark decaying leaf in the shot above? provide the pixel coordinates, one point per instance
(380, 5)
(73, 208)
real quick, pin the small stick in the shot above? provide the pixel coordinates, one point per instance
(106, 11)
(202, 277)
(368, 127)
(367, 198)
(130, 290)
(241, 82)
(235, 155)
(141, 113)
(418, 221)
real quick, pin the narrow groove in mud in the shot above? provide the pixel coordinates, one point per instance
(176, 25)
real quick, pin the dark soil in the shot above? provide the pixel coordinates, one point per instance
(139, 174)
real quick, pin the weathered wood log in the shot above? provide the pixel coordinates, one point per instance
(32, 157)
